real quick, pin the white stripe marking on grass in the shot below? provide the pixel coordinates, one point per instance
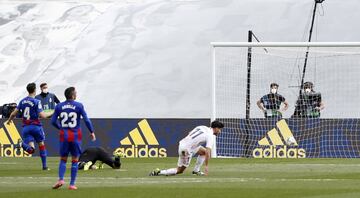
(155, 180)
(296, 164)
(7, 163)
(121, 170)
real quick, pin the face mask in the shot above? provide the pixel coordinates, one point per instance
(307, 90)
(45, 90)
(273, 91)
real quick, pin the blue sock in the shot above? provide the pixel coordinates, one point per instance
(43, 154)
(62, 169)
(27, 148)
(74, 170)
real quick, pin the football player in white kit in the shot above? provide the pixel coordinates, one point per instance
(191, 145)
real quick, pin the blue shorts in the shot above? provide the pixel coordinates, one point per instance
(33, 133)
(74, 148)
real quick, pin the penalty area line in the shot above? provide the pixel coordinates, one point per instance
(161, 180)
(121, 170)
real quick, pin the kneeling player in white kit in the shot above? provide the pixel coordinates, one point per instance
(191, 145)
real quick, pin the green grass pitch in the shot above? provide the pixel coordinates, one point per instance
(313, 178)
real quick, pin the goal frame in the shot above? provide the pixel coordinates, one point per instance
(249, 45)
(214, 45)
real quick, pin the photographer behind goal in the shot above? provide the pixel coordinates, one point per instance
(271, 102)
(309, 104)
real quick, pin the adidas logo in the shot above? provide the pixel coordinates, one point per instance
(280, 146)
(8, 137)
(141, 142)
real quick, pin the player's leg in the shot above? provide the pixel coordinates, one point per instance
(183, 163)
(74, 170)
(40, 139)
(43, 155)
(81, 165)
(106, 158)
(172, 171)
(184, 160)
(64, 152)
(28, 143)
(86, 160)
(84, 163)
(75, 150)
(201, 151)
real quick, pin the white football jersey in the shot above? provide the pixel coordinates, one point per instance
(199, 136)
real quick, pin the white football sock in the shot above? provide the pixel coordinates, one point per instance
(199, 162)
(171, 171)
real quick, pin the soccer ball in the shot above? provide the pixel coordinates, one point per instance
(291, 141)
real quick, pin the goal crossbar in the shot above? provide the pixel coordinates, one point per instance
(285, 44)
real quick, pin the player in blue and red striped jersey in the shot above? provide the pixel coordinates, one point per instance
(31, 110)
(66, 118)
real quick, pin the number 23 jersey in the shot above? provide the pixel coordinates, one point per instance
(69, 114)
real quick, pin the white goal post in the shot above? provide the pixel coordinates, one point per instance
(241, 76)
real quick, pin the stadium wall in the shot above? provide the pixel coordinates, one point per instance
(314, 138)
(135, 137)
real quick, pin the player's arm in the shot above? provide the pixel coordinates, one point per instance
(88, 123)
(54, 118)
(45, 114)
(12, 116)
(207, 158)
(56, 99)
(208, 146)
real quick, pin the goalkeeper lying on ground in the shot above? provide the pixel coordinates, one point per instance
(89, 157)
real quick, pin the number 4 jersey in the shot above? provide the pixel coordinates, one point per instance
(30, 109)
(201, 135)
(69, 114)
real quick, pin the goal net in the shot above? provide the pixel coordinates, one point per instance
(319, 82)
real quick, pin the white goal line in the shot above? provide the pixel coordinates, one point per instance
(285, 44)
